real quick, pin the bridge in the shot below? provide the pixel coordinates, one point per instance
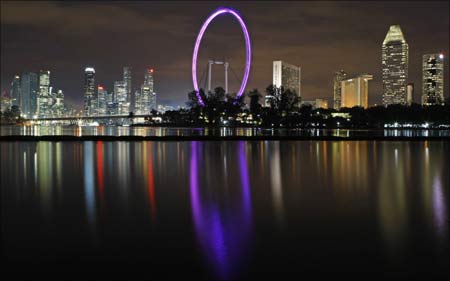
(83, 120)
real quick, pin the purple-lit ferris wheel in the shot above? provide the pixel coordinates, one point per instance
(197, 45)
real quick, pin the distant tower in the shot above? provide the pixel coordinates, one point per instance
(337, 90)
(410, 93)
(44, 96)
(432, 79)
(89, 91)
(146, 99)
(394, 59)
(127, 81)
(15, 91)
(120, 95)
(102, 101)
(29, 90)
(58, 107)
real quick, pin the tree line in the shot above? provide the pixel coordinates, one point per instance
(284, 109)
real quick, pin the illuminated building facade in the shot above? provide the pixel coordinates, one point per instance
(29, 90)
(355, 91)
(58, 107)
(89, 91)
(394, 59)
(15, 91)
(102, 101)
(44, 100)
(287, 76)
(120, 97)
(127, 81)
(337, 91)
(432, 79)
(145, 100)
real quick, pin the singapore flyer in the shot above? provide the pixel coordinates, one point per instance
(216, 13)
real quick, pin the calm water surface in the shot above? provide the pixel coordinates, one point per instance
(223, 131)
(225, 210)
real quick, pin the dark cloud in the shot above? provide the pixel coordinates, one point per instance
(321, 37)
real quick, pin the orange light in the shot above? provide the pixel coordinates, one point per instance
(100, 87)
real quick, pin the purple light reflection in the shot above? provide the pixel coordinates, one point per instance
(439, 208)
(222, 235)
(197, 45)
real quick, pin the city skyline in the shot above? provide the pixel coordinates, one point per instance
(302, 47)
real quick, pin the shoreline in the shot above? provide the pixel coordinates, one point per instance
(219, 138)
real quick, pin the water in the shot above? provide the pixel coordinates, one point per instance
(224, 131)
(225, 210)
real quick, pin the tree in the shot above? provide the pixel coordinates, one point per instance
(255, 107)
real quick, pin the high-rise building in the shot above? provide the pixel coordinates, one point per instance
(337, 91)
(44, 100)
(89, 91)
(127, 81)
(145, 100)
(355, 91)
(394, 59)
(5, 102)
(432, 79)
(15, 92)
(29, 91)
(409, 93)
(58, 108)
(120, 96)
(102, 101)
(287, 76)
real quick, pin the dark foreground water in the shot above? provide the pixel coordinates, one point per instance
(225, 210)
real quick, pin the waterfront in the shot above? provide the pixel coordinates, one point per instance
(225, 210)
(118, 131)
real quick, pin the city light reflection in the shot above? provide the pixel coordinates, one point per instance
(89, 184)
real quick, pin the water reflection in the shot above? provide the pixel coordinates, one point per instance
(439, 208)
(222, 234)
(392, 200)
(276, 182)
(224, 131)
(235, 208)
(89, 184)
(45, 176)
(100, 176)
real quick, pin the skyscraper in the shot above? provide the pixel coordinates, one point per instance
(287, 76)
(102, 101)
(432, 79)
(355, 91)
(120, 96)
(394, 59)
(44, 100)
(58, 108)
(127, 81)
(89, 91)
(337, 90)
(15, 93)
(146, 99)
(29, 90)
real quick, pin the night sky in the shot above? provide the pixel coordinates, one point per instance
(321, 37)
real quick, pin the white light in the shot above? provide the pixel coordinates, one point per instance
(89, 69)
(441, 56)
